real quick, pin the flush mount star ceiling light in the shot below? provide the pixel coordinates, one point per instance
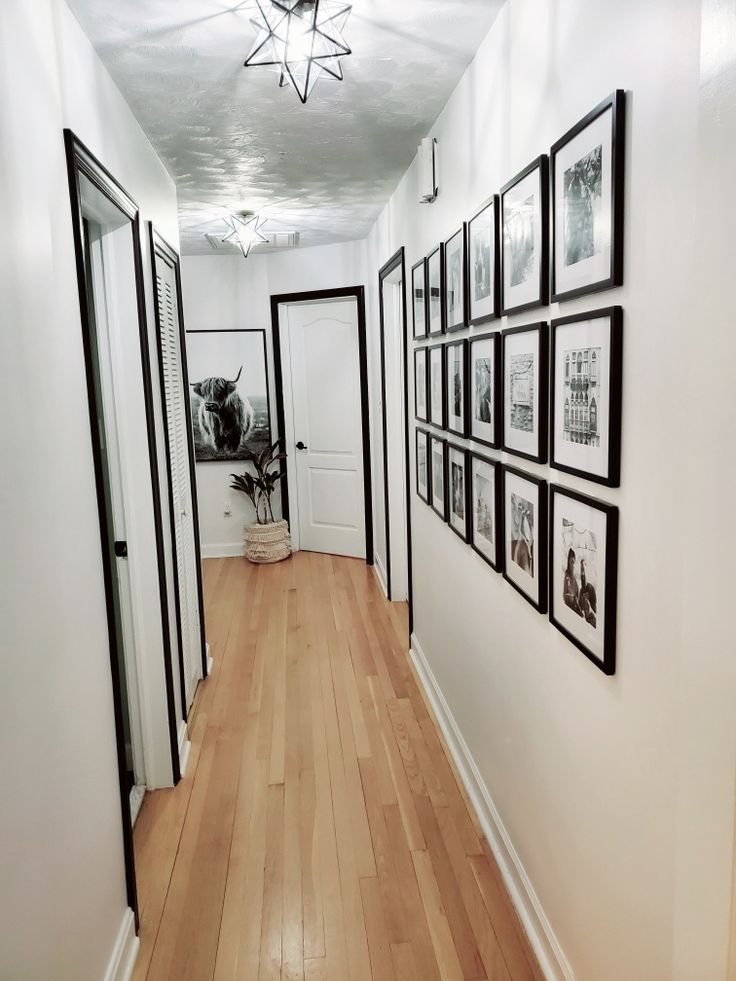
(244, 231)
(301, 39)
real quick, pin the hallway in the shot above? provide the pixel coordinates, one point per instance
(320, 831)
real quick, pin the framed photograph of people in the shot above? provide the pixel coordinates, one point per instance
(438, 475)
(422, 464)
(524, 509)
(588, 202)
(484, 387)
(525, 386)
(483, 264)
(485, 510)
(586, 395)
(455, 281)
(419, 298)
(457, 486)
(437, 385)
(456, 392)
(525, 239)
(421, 384)
(436, 307)
(583, 573)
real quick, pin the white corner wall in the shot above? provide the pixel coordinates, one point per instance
(62, 884)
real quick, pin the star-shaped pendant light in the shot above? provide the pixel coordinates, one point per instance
(245, 231)
(301, 39)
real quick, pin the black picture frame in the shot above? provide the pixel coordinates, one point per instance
(462, 430)
(540, 560)
(614, 314)
(447, 250)
(421, 354)
(495, 264)
(436, 258)
(420, 330)
(496, 561)
(422, 435)
(434, 438)
(494, 339)
(431, 355)
(541, 297)
(616, 103)
(607, 661)
(464, 535)
(539, 453)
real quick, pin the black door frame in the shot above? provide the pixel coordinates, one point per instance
(358, 292)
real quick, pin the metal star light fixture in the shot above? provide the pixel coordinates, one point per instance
(301, 39)
(245, 231)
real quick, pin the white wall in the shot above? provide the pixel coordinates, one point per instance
(616, 793)
(62, 885)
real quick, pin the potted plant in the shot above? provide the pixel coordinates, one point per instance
(266, 540)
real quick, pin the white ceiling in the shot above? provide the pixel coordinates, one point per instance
(233, 140)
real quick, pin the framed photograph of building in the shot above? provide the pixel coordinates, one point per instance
(484, 387)
(525, 239)
(524, 509)
(485, 510)
(483, 264)
(586, 395)
(437, 385)
(422, 464)
(419, 299)
(458, 486)
(456, 392)
(434, 295)
(588, 202)
(525, 384)
(438, 475)
(583, 573)
(421, 384)
(455, 281)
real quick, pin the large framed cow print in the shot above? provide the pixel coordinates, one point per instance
(228, 388)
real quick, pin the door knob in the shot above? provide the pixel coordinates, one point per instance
(300, 446)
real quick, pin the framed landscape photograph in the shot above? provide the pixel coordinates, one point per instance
(586, 395)
(456, 391)
(485, 510)
(524, 509)
(436, 307)
(419, 299)
(422, 464)
(525, 239)
(438, 475)
(484, 387)
(437, 385)
(588, 202)
(228, 374)
(525, 384)
(457, 480)
(483, 264)
(455, 280)
(583, 573)
(421, 384)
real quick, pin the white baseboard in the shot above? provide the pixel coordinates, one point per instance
(552, 960)
(123, 957)
(226, 551)
(380, 573)
(184, 747)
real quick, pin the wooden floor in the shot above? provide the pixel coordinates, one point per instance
(320, 832)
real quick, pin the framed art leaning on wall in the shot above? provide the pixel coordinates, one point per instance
(525, 239)
(524, 509)
(456, 387)
(484, 388)
(483, 264)
(438, 475)
(458, 512)
(525, 385)
(455, 281)
(485, 509)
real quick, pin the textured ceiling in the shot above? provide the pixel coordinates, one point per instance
(233, 140)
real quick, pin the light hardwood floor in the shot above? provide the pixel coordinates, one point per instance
(320, 833)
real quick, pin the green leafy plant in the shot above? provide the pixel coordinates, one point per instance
(260, 486)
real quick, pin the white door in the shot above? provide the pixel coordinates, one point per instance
(324, 436)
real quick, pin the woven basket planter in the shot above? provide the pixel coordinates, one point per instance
(267, 543)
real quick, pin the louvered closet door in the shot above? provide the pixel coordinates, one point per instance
(183, 513)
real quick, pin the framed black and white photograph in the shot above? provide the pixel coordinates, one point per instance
(483, 264)
(484, 387)
(422, 464)
(485, 510)
(421, 384)
(457, 486)
(455, 280)
(437, 385)
(525, 384)
(228, 375)
(588, 202)
(436, 307)
(456, 392)
(586, 395)
(525, 239)
(438, 475)
(419, 299)
(524, 508)
(583, 573)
